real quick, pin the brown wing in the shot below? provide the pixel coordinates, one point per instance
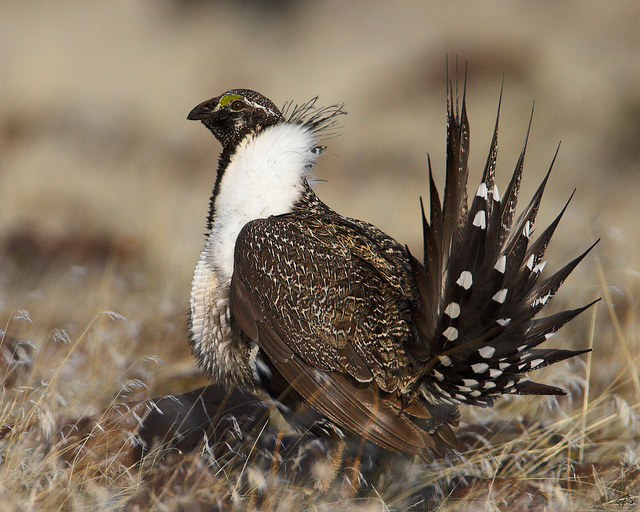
(330, 324)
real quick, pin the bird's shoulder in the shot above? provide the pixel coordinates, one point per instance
(316, 231)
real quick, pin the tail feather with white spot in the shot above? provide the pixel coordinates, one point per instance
(480, 284)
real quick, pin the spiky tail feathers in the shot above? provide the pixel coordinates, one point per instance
(480, 285)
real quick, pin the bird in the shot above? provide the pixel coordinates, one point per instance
(341, 325)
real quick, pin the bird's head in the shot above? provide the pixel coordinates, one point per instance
(236, 113)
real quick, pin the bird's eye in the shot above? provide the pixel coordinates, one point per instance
(237, 105)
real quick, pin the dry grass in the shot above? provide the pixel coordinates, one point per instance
(70, 411)
(103, 194)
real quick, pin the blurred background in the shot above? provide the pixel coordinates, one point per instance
(104, 185)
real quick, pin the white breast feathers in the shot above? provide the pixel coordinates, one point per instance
(263, 178)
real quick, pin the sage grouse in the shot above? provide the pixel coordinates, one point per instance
(338, 321)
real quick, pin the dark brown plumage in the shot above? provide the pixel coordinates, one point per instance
(338, 321)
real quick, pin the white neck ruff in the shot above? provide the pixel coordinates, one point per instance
(263, 178)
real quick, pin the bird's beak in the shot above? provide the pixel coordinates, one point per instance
(197, 113)
(204, 110)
